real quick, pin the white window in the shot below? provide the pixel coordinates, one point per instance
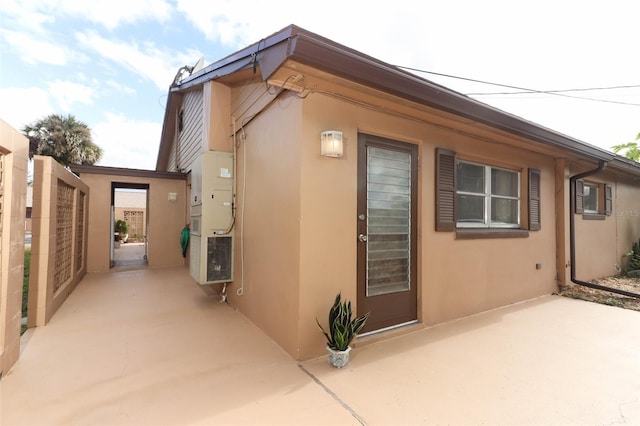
(487, 197)
(593, 200)
(590, 198)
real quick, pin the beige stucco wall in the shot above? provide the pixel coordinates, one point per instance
(166, 218)
(455, 277)
(15, 150)
(595, 241)
(626, 212)
(295, 238)
(463, 277)
(328, 246)
(602, 245)
(300, 224)
(267, 249)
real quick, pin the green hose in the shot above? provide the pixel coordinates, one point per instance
(184, 240)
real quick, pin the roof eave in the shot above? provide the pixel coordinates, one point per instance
(296, 44)
(168, 129)
(79, 169)
(349, 64)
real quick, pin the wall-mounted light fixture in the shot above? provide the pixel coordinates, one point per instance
(331, 143)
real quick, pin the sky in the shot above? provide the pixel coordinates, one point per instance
(110, 63)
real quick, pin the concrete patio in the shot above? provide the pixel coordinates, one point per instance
(130, 255)
(148, 347)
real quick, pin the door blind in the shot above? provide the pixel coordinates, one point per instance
(388, 221)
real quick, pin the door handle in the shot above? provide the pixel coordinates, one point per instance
(362, 238)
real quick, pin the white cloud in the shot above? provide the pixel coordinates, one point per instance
(145, 59)
(121, 88)
(599, 124)
(36, 50)
(513, 42)
(67, 93)
(114, 13)
(111, 14)
(22, 106)
(546, 45)
(390, 34)
(218, 22)
(127, 142)
(29, 16)
(25, 25)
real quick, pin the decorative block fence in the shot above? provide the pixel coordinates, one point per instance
(59, 243)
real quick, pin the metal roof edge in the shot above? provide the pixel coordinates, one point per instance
(626, 164)
(162, 157)
(237, 61)
(322, 53)
(79, 169)
(340, 60)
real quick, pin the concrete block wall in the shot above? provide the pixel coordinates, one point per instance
(14, 148)
(45, 295)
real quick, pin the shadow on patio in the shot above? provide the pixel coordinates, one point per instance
(148, 347)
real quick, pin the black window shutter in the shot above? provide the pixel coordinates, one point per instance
(608, 200)
(579, 196)
(534, 199)
(445, 190)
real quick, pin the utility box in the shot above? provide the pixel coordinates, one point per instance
(212, 185)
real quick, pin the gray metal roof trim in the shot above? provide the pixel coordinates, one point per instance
(626, 164)
(78, 169)
(168, 127)
(229, 64)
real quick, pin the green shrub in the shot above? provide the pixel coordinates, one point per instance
(121, 227)
(634, 257)
(25, 286)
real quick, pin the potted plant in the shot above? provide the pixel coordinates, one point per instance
(343, 327)
(121, 228)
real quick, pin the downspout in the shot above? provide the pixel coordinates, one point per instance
(572, 233)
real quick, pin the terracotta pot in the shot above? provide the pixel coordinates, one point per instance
(338, 359)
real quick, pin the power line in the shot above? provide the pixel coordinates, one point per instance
(556, 91)
(524, 90)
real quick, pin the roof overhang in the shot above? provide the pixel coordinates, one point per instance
(296, 44)
(78, 170)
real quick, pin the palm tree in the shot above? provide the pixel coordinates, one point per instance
(66, 139)
(630, 149)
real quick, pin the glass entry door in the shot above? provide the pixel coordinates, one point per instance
(387, 176)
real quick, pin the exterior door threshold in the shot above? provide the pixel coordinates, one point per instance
(387, 333)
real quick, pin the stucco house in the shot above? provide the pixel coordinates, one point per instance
(338, 172)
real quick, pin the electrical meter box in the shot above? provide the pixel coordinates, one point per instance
(211, 204)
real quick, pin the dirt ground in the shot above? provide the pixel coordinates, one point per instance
(604, 297)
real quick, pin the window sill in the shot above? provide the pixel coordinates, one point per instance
(593, 216)
(475, 234)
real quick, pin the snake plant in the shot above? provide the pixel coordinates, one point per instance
(342, 326)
